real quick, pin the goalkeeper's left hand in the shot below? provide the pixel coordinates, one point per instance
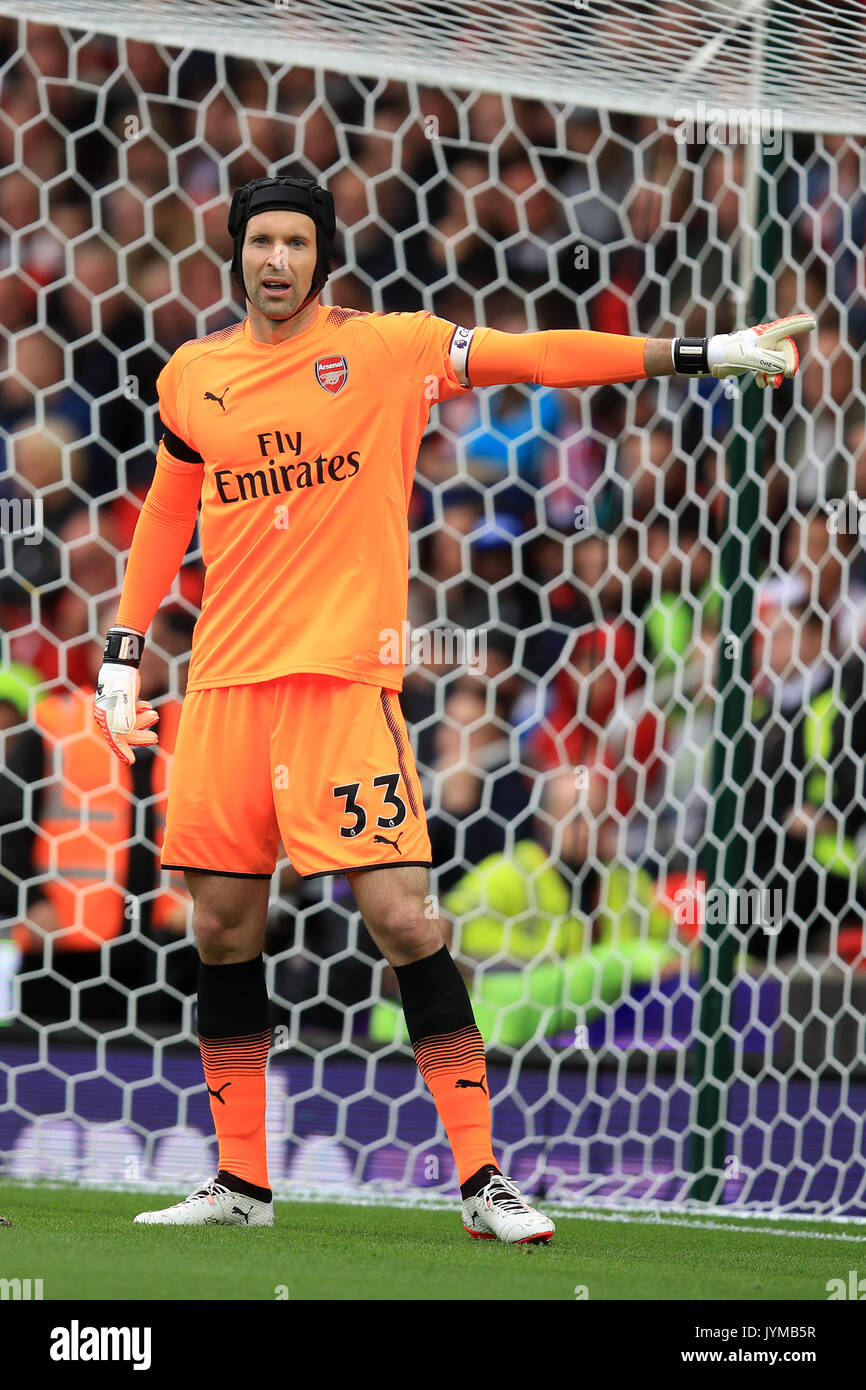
(141, 735)
(125, 721)
(768, 350)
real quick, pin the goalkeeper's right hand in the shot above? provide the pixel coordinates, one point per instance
(768, 350)
(123, 720)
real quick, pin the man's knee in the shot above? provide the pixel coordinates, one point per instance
(398, 910)
(228, 915)
(404, 929)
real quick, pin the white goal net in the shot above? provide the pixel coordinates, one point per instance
(617, 853)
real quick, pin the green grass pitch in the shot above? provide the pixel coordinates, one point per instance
(82, 1244)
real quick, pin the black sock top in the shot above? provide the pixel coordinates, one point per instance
(232, 999)
(434, 996)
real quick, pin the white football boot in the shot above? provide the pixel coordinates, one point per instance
(212, 1205)
(498, 1212)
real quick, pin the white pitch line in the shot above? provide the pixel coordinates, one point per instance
(643, 1219)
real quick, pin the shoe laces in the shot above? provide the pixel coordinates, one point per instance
(504, 1194)
(210, 1189)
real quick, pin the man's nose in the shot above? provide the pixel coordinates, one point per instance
(279, 257)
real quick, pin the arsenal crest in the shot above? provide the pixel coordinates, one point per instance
(331, 372)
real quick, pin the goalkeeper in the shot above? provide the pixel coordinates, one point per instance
(297, 431)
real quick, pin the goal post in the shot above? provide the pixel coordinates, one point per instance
(603, 584)
(724, 856)
(608, 54)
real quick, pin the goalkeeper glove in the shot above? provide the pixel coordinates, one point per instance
(123, 720)
(767, 350)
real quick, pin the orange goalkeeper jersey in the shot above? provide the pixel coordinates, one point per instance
(303, 453)
(309, 451)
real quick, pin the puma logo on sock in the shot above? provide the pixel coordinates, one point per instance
(218, 1094)
(463, 1083)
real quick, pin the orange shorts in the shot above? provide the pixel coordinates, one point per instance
(323, 764)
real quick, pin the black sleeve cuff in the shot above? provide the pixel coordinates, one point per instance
(177, 447)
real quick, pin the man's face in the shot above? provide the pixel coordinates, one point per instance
(278, 259)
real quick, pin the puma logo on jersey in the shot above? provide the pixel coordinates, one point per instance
(209, 396)
(383, 840)
(218, 1094)
(463, 1083)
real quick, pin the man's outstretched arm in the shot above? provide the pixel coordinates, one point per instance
(576, 357)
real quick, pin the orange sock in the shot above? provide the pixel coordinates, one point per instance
(234, 1070)
(234, 1041)
(455, 1069)
(449, 1051)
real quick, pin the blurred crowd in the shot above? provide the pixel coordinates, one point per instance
(581, 532)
